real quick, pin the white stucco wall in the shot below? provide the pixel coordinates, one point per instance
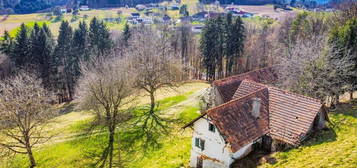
(215, 148)
(244, 151)
(216, 153)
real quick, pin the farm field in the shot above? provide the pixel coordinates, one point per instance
(11, 22)
(267, 11)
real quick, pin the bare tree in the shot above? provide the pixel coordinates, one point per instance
(106, 87)
(309, 70)
(154, 61)
(259, 46)
(157, 66)
(24, 113)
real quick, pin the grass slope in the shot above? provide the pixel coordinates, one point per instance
(73, 149)
(336, 147)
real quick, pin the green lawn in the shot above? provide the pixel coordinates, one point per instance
(332, 148)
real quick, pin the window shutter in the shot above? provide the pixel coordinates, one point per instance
(197, 142)
(202, 144)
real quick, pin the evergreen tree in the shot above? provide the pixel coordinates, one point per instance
(35, 47)
(234, 43)
(62, 62)
(220, 47)
(100, 40)
(222, 39)
(21, 53)
(6, 44)
(126, 34)
(44, 57)
(80, 49)
(208, 48)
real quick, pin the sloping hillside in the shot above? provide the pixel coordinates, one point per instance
(73, 147)
(336, 147)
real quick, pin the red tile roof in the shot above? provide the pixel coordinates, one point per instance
(228, 86)
(235, 121)
(284, 115)
(291, 115)
(247, 87)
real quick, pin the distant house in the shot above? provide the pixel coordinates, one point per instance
(63, 10)
(84, 8)
(135, 15)
(140, 7)
(244, 113)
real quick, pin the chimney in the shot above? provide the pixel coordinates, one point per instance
(256, 107)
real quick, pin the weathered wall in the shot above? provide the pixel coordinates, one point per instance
(243, 151)
(218, 100)
(216, 152)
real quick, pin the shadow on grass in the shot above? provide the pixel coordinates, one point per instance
(348, 108)
(257, 157)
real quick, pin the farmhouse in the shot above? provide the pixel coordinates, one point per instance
(246, 112)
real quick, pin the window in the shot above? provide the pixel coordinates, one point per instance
(211, 127)
(197, 142)
(200, 143)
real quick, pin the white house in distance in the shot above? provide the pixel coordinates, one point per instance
(245, 113)
(84, 8)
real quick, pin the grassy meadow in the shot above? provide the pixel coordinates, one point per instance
(74, 147)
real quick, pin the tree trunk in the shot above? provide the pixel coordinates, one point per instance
(111, 146)
(119, 153)
(29, 152)
(351, 95)
(152, 103)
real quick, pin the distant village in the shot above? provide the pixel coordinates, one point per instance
(155, 13)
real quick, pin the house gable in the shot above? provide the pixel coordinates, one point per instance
(236, 121)
(215, 151)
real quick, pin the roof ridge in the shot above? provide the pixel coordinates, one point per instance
(238, 75)
(251, 81)
(296, 94)
(233, 100)
(276, 88)
(221, 105)
(242, 74)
